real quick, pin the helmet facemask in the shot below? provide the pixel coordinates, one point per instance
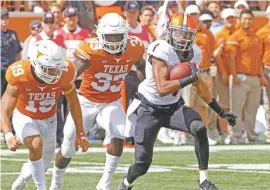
(113, 43)
(48, 74)
(180, 37)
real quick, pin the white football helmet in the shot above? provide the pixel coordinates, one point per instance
(112, 26)
(47, 58)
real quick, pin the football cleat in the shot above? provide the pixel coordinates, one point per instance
(22, 180)
(212, 142)
(55, 185)
(19, 184)
(207, 185)
(122, 185)
(164, 137)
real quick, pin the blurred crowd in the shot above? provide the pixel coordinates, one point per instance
(235, 58)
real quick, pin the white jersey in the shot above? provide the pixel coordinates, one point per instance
(164, 51)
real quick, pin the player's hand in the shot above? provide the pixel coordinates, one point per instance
(264, 81)
(194, 70)
(225, 79)
(82, 140)
(236, 80)
(13, 142)
(229, 116)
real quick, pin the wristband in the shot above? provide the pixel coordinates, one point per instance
(186, 81)
(215, 106)
(8, 135)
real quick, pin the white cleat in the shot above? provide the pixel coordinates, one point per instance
(183, 139)
(212, 142)
(98, 187)
(55, 186)
(164, 137)
(22, 180)
(19, 184)
(176, 139)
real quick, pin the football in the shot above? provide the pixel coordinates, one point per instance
(179, 71)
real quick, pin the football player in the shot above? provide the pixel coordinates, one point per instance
(104, 61)
(159, 103)
(34, 86)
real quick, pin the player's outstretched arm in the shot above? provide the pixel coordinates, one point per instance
(161, 77)
(8, 104)
(202, 90)
(140, 66)
(76, 113)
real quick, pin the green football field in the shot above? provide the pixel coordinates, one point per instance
(173, 168)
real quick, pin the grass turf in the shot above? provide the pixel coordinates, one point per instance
(183, 174)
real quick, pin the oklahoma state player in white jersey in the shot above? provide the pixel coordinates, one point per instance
(104, 61)
(34, 87)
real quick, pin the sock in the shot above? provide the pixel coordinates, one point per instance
(26, 171)
(203, 175)
(58, 175)
(109, 169)
(127, 183)
(38, 173)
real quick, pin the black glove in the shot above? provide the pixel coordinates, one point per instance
(230, 117)
(223, 113)
(194, 70)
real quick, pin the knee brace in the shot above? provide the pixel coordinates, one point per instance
(197, 128)
(68, 148)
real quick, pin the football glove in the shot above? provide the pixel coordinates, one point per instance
(194, 70)
(230, 117)
(82, 140)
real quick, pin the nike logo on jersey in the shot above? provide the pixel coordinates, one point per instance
(55, 88)
(28, 89)
(128, 60)
(42, 88)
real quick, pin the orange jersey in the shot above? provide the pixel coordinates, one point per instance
(247, 47)
(264, 35)
(224, 34)
(103, 80)
(36, 100)
(206, 41)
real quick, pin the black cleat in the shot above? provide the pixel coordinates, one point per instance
(122, 185)
(207, 185)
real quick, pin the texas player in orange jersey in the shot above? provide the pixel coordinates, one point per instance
(34, 87)
(104, 61)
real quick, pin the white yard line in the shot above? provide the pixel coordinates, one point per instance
(6, 152)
